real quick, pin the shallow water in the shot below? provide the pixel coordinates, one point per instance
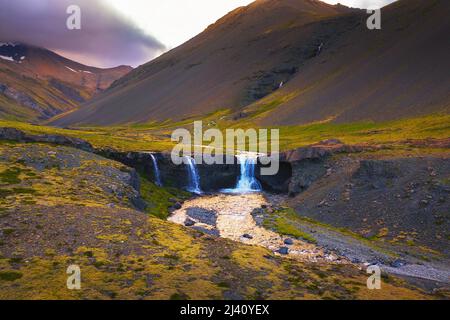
(230, 216)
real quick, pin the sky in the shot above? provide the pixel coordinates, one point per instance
(119, 32)
(362, 4)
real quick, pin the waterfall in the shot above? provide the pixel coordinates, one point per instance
(194, 179)
(156, 170)
(247, 181)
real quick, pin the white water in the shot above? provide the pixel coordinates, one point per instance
(194, 179)
(247, 181)
(156, 170)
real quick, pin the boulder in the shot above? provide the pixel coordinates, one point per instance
(177, 206)
(398, 263)
(189, 222)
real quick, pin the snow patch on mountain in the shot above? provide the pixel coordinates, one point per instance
(6, 58)
(71, 69)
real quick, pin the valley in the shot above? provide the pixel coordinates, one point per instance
(360, 121)
(126, 254)
(257, 223)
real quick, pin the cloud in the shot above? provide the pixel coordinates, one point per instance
(363, 4)
(106, 37)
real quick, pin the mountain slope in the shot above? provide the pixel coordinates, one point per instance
(397, 72)
(291, 62)
(37, 84)
(242, 57)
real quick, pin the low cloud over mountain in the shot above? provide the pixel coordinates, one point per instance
(106, 38)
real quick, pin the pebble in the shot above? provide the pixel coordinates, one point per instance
(398, 263)
(177, 206)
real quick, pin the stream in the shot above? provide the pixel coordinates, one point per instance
(235, 214)
(229, 214)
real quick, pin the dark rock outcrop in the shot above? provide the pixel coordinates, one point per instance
(305, 172)
(299, 168)
(212, 177)
(390, 199)
(12, 134)
(20, 136)
(378, 169)
(189, 223)
(219, 176)
(278, 183)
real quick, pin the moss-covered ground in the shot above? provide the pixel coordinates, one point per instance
(61, 206)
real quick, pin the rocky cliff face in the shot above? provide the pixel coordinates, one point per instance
(299, 168)
(13, 134)
(401, 200)
(212, 177)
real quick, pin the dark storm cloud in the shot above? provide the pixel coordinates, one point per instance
(106, 37)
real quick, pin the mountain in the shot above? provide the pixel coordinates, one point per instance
(37, 84)
(290, 62)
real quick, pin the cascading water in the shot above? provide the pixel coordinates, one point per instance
(247, 181)
(156, 170)
(194, 179)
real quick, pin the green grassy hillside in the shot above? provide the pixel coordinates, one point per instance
(156, 136)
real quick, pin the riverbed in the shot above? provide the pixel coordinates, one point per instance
(231, 216)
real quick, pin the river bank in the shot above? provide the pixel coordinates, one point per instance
(241, 217)
(231, 216)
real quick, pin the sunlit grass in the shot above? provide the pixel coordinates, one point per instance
(157, 136)
(433, 126)
(120, 138)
